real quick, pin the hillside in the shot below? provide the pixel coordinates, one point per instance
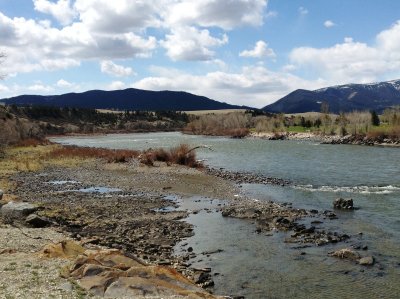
(19, 123)
(128, 99)
(343, 98)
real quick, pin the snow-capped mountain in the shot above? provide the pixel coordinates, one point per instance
(341, 98)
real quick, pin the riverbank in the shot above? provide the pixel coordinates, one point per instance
(330, 139)
(111, 205)
(134, 208)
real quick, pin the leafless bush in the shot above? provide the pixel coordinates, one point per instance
(231, 124)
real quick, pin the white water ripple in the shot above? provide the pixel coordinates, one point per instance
(350, 189)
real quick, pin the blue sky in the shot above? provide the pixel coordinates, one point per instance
(249, 52)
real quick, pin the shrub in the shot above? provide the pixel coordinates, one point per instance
(181, 155)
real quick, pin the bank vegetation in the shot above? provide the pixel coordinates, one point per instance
(239, 124)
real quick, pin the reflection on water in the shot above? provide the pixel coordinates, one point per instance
(260, 266)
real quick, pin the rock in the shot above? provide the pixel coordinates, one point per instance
(329, 214)
(37, 221)
(112, 274)
(203, 279)
(17, 211)
(1, 194)
(346, 253)
(367, 261)
(343, 204)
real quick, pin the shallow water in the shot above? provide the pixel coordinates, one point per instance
(260, 266)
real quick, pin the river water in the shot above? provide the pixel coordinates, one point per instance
(263, 266)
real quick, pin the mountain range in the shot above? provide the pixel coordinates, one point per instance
(341, 98)
(127, 99)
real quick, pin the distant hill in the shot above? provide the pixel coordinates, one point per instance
(128, 99)
(343, 98)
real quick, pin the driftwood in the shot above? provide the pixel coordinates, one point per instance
(200, 146)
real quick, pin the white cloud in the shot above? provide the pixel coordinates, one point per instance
(329, 24)
(303, 11)
(260, 50)
(32, 46)
(118, 16)
(62, 10)
(352, 61)
(190, 43)
(253, 86)
(108, 30)
(63, 84)
(226, 14)
(110, 68)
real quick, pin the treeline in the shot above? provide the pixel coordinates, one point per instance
(94, 116)
(18, 123)
(324, 123)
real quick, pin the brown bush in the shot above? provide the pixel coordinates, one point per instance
(147, 158)
(231, 124)
(162, 155)
(181, 155)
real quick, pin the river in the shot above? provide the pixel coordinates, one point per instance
(263, 266)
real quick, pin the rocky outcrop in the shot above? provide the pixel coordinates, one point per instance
(343, 204)
(112, 274)
(271, 216)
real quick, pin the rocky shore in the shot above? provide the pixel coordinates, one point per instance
(132, 208)
(362, 140)
(331, 139)
(245, 178)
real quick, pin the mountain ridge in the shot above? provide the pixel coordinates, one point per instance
(341, 98)
(126, 99)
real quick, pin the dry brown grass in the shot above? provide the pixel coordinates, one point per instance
(110, 155)
(32, 142)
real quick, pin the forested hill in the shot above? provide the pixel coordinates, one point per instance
(128, 99)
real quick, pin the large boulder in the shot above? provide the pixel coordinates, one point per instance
(343, 204)
(16, 211)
